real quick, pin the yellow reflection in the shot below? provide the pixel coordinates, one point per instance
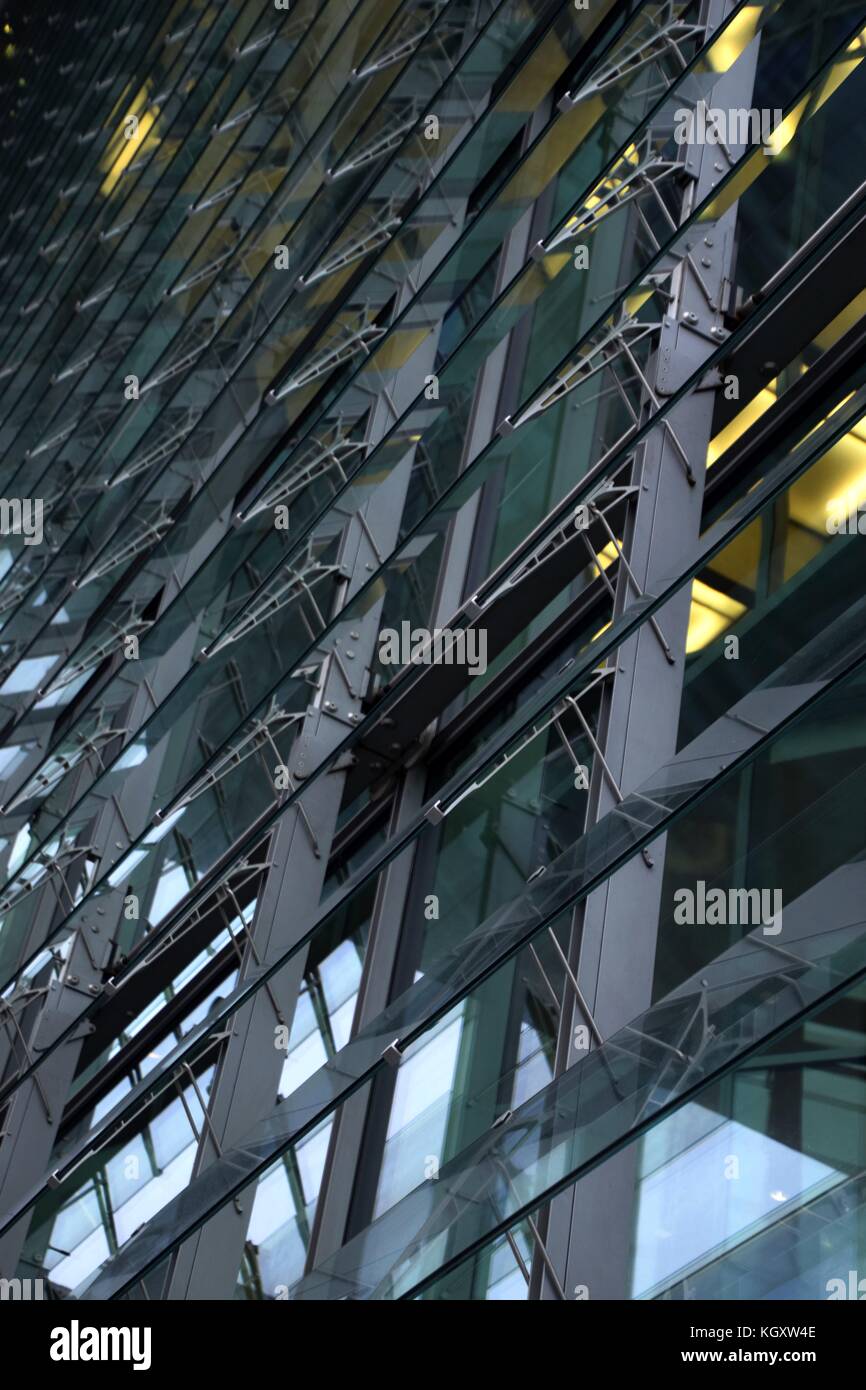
(636, 301)
(534, 80)
(755, 408)
(607, 556)
(741, 558)
(786, 129)
(612, 183)
(552, 265)
(711, 612)
(835, 486)
(126, 142)
(742, 421)
(753, 165)
(738, 35)
(554, 149)
(128, 151)
(828, 416)
(851, 314)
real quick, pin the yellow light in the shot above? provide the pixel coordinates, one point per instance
(786, 130)
(741, 422)
(607, 556)
(126, 152)
(553, 264)
(835, 485)
(636, 301)
(852, 496)
(738, 35)
(711, 612)
(851, 314)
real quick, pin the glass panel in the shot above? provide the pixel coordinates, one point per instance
(753, 1191)
(440, 989)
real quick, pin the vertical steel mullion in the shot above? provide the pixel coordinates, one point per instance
(589, 1229)
(207, 1265)
(349, 1164)
(356, 1144)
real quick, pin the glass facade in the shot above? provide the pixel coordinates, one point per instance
(432, 657)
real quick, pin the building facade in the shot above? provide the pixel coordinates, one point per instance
(432, 657)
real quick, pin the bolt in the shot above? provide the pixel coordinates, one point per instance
(329, 704)
(708, 241)
(689, 317)
(706, 262)
(717, 332)
(349, 654)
